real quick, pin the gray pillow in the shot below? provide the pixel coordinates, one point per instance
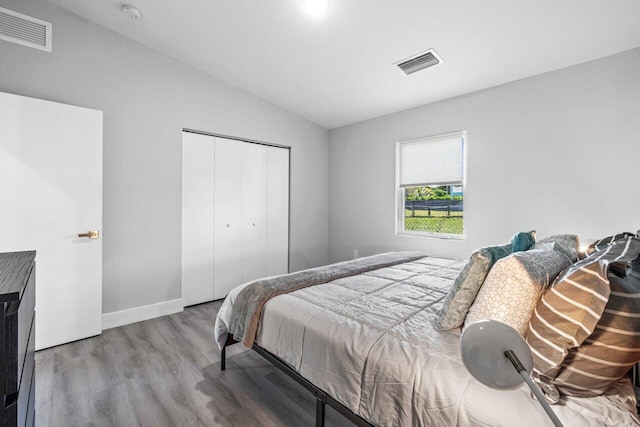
(568, 244)
(467, 284)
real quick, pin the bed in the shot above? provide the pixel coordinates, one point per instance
(360, 335)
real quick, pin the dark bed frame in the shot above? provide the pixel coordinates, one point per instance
(322, 398)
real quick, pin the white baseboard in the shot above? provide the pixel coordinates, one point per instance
(138, 314)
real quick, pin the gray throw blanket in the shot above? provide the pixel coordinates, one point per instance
(249, 302)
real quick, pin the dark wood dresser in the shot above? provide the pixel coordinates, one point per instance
(17, 338)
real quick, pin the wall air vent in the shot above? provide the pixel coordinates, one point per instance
(419, 62)
(25, 30)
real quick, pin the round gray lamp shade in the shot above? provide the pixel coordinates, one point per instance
(482, 346)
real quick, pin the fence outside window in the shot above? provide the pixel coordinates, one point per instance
(434, 216)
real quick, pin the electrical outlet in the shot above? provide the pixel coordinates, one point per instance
(355, 254)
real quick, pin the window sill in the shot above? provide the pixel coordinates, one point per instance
(439, 236)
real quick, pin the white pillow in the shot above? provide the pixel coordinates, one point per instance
(514, 286)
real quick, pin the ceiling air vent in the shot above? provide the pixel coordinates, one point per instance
(419, 62)
(25, 30)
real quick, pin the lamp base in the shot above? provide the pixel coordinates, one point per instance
(496, 355)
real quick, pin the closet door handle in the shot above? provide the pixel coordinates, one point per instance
(253, 223)
(228, 225)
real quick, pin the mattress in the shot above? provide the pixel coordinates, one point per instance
(368, 340)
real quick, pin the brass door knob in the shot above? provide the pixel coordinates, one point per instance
(93, 234)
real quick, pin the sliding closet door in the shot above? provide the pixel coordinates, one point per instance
(197, 218)
(254, 211)
(228, 217)
(235, 214)
(277, 211)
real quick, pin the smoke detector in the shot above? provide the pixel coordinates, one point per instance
(131, 11)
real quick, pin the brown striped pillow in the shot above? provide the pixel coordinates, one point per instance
(583, 332)
(601, 244)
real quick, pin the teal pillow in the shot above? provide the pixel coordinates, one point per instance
(523, 241)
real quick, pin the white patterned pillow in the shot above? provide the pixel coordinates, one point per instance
(514, 286)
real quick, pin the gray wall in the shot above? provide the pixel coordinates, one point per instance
(147, 99)
(557, 153)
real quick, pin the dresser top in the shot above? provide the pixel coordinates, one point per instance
(14, 272)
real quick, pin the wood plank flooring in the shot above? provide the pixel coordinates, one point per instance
(166, 372)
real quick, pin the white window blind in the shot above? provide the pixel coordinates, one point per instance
(432, 161)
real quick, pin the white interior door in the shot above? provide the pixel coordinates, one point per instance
(228, 219)
(277, 211)
(51, 191)
(197, 217)
(254, 212)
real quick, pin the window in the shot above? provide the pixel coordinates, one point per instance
(430, 186)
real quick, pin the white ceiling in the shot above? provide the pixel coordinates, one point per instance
(337, 69)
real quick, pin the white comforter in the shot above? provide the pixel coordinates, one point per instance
(368, 341)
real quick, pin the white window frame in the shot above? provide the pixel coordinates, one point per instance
(400, 191)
